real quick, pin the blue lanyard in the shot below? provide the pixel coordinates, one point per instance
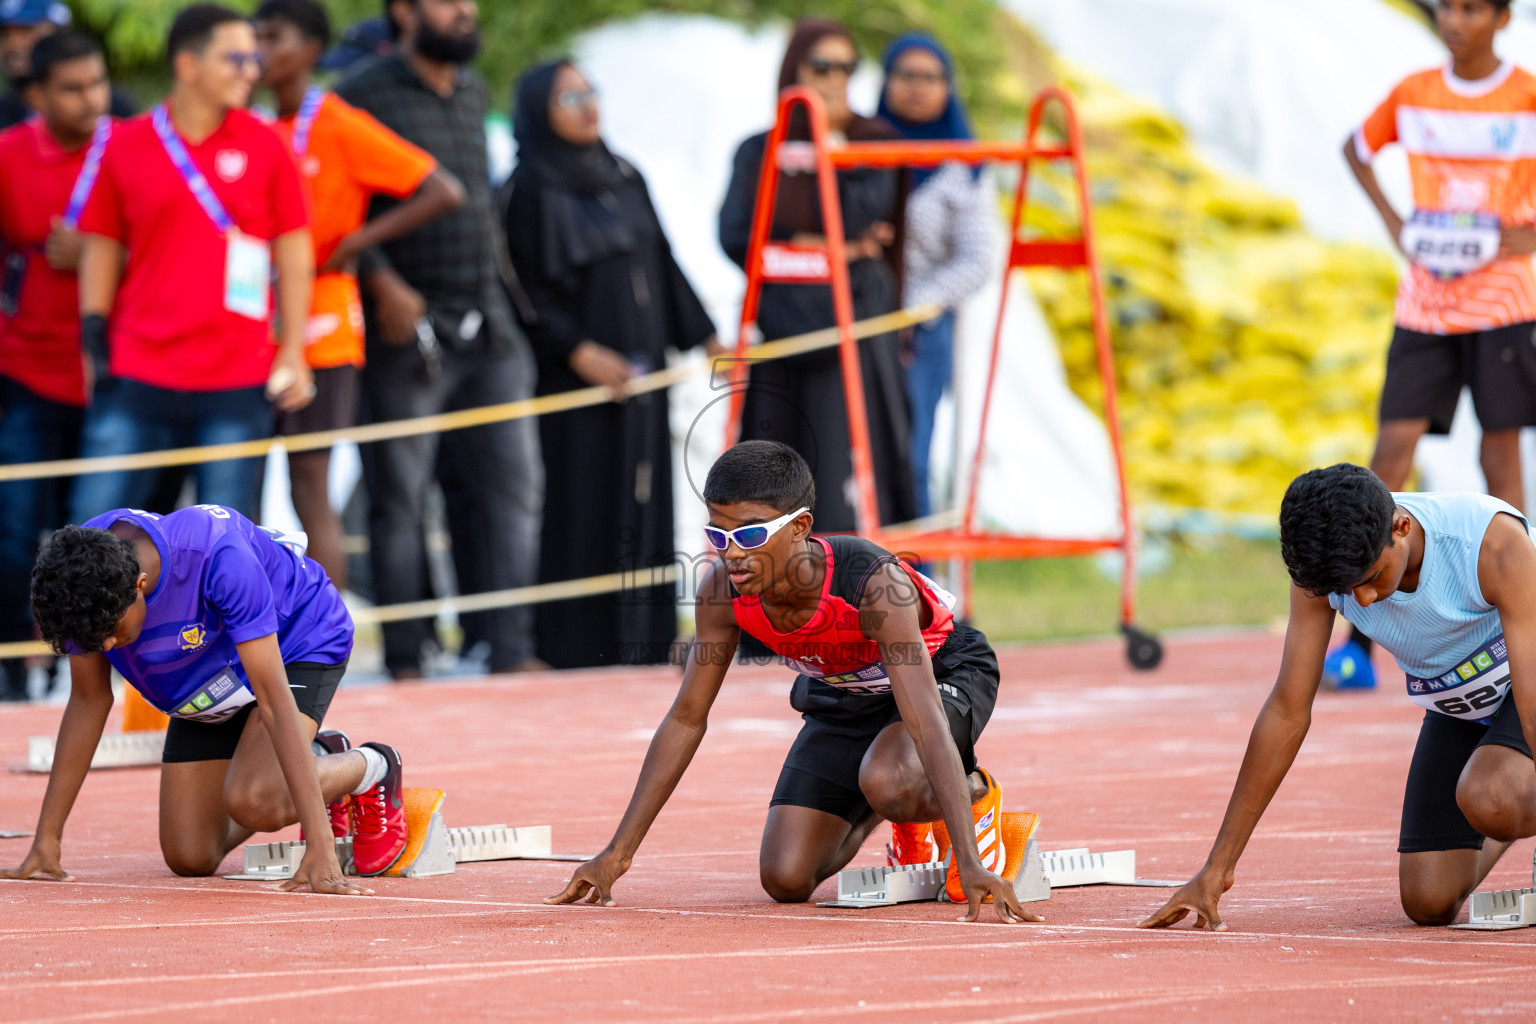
(182, 160)
(86, 181)
(305, 119)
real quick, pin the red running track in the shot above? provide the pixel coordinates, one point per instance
(1110, 758)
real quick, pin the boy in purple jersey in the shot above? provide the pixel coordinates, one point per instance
(242, 641)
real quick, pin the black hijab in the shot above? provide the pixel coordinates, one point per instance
(582, 219)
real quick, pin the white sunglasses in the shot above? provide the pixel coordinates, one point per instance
(749, 537)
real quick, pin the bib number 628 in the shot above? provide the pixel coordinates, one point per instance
(1476, 700)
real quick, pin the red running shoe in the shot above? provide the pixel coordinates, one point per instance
(911, 843)
(378, 819)
(340, 810)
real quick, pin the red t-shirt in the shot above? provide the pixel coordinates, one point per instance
(169, 327)
(40, 345)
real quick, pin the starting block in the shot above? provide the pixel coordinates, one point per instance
(912, 883)
(431, 847)
(115, 750)
(1500, 910)
(1067, 868)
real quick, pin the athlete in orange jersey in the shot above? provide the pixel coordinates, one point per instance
(1466, 310)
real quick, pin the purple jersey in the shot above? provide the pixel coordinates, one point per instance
(223, 580)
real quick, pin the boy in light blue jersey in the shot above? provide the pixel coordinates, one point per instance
(230, 630)
(1447, 584)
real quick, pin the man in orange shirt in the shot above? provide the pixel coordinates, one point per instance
(1466, 309)
(345, 157)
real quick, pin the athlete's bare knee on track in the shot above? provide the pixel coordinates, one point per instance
(786, 884)
(191, 860)
(1431, 905)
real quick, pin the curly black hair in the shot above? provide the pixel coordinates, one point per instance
(1334, 524)
(83, 583)
(765, 472)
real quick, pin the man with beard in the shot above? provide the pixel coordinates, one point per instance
(440, 335)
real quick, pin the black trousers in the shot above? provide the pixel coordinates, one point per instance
(493, 482)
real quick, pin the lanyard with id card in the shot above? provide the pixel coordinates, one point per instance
(247, 261)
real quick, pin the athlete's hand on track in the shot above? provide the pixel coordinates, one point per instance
(40, 864)
(1199, 896)
(594, 880)
(321, 872)
(979, 884)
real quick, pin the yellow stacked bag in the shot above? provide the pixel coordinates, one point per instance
(1247, 349)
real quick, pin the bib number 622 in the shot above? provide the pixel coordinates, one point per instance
(1476, 700)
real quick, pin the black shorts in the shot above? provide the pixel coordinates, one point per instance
(1431, 818)
(334, 406)
(822, 768)
(313, 686)
(1425, 374)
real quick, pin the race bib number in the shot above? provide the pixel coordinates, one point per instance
(224, 695)
(862, 682)
(1451, 244)
(247, 275)
(1473, 690)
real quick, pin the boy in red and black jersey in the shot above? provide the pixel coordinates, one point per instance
(894, 693)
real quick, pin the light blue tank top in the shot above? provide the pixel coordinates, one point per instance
(1444, 635)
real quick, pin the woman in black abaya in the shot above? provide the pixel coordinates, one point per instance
(799, 401)
(607, 302)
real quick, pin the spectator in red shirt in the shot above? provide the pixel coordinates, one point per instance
(195, 206)
(43, 182)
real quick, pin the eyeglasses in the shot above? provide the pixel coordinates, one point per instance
(749, 537)
(241, 61)
(822, 68)
(576, 98)
(918, 77)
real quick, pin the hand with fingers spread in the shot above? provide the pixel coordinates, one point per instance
(594, 880)
(1199, 896)
(980, 883)
(42, 863)
(320, 872)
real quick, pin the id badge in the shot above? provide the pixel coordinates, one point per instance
(247, 276)
(1451, 244)
(11, 279)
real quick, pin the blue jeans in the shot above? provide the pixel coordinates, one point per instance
(32, 429)
(127, 417)
(933, 364)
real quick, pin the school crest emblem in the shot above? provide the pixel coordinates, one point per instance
(229, 164)
(193, 637)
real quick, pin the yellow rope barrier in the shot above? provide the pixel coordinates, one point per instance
(459, 420)
(577, 399)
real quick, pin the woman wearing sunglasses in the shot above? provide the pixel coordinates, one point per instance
(894, 692)
(607, 302)
(799, 401)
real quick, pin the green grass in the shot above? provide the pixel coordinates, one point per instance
(1201, 582)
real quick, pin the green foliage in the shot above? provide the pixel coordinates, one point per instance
(519, 32)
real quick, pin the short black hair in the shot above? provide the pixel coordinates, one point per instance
(59, 48)
(1334, 524)
(193, 28)
(83, 583)
(305, 15)
(765, 472)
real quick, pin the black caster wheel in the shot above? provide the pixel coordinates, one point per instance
(1143, 650)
